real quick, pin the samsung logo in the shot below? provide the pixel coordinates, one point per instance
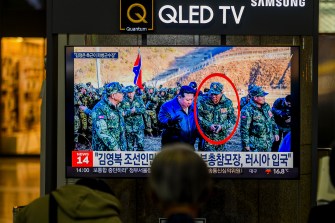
(278, 3)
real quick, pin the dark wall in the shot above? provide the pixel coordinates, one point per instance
(19, 18)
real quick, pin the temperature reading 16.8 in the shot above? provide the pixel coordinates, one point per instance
(279, 171)
(82, 159)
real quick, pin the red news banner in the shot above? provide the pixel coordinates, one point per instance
(82, 159)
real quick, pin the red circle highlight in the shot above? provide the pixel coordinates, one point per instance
(220, 142)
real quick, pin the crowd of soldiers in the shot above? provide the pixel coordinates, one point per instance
(86, 97)
(135, 115)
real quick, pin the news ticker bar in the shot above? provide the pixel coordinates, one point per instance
(247, 173)
(144, 159)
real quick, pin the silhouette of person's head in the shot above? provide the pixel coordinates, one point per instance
(180, 181)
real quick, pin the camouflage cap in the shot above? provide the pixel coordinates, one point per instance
(130, 89)
(257, 91)
(113, 87)
(80, 86)
(163, 89)
(216, 88)
(250, 86)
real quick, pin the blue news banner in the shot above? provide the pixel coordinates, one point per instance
(95, 55)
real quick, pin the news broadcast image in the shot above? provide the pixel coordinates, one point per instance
(232, 135)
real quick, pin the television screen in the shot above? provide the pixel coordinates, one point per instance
(237, 106)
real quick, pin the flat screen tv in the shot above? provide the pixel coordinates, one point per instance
(258, 84)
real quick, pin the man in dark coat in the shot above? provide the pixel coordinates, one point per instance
(177, 118)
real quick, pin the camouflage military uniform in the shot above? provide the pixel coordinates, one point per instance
(133, 120)
(171, 93)
(244, 101)
(76, 116)
(92, 99)
(108, 123)
(219, 114)
(151, 123)
(257, 126)
(162, 98)
(82, 100)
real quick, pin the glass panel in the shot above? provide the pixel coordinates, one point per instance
(326, 91)
(21, 81)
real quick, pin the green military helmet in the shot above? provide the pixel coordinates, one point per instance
(150, 105)
(130, 89)
(112, 88)
(163, 89)
(216, 88)
(257, 91)
(80, 86)
(251, 86)
(149, 88)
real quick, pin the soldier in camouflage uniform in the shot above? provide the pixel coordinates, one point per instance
(87, 98)
(108, 123)
(162, 98)
(216, 116)
(133, 110)
(151, 122)
(245, 100)
(94, 98)
(82, 99)
(170, 94)
(93, 94)
(144, 93)
(77, 126)
(258, 127)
